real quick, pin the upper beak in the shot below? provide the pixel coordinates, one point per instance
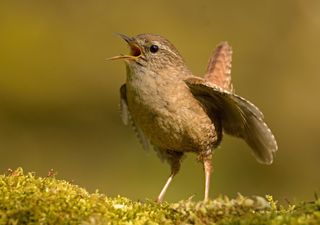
(125, 37)
(135, 49)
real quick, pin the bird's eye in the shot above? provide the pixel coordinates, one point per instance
(154, 48)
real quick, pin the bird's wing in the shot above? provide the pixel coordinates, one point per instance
(126, 118)
(219, 67)
(238, 116)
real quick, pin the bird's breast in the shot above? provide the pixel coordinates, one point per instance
(168, 114)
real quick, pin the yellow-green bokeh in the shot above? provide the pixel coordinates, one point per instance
(59, 98)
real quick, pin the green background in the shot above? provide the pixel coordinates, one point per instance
(59, 98)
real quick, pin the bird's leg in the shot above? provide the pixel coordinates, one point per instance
(165, 187)
(174, 161)
(207, 164)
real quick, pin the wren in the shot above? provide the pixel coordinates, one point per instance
(176, 112)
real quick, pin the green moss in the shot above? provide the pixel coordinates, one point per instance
(27, 199)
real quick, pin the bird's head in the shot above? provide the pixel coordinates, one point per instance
(150, 51)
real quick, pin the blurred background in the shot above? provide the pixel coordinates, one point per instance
(59, 98)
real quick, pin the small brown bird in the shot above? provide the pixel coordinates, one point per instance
(177, 112)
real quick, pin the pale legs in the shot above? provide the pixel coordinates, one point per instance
(207, 165)
(164, 189)
(173, 158)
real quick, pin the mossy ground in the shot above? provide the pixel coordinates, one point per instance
(27, 199)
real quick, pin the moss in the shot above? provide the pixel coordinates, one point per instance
(27, 199)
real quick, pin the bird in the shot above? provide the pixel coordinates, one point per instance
(175, 112)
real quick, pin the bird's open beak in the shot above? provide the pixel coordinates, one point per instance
(135, 49)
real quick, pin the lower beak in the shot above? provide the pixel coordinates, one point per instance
(121, 57)
(135, 49)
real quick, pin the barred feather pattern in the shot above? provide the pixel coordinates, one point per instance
(126, 119)
(239, 117)
(219, 67)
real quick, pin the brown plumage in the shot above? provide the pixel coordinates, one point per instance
(219, 67)
(177, 112)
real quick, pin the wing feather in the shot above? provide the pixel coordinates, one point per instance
(239, 117)
(126, 118)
